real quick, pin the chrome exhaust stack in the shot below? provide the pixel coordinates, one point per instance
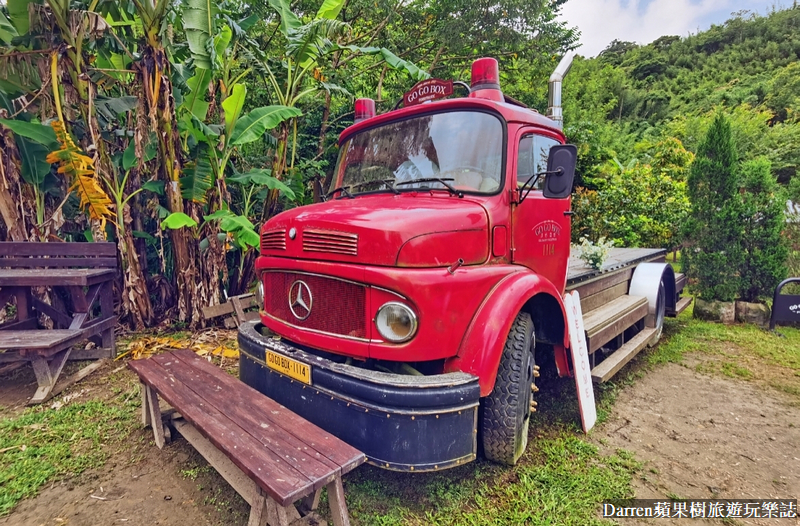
(554, 110)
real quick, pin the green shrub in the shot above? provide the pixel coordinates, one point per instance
(639, 205)
(763, 222)
(713, 253)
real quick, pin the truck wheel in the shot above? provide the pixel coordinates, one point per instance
(507, 410)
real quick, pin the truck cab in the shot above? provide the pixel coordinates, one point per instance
(404, 313)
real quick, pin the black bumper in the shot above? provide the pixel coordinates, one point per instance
(404, 423)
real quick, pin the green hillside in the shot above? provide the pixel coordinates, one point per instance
(631, 96)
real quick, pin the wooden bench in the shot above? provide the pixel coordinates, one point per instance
(271, 456)
(82, 274)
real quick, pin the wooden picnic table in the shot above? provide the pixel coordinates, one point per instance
(86, 309)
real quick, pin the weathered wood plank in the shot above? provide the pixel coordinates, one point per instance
(47, 374)
(337, 503)
(11, 367)
(274, 476)
(610, 331)
(680, 282)
(314, 467)
(29, 324)
(243, 485)
(246, 301)
(617, 258)
(145, 406)
(683, 304)
(60, 319)
(57, 262)
(613, 363)
(26, 248)
(595, 301)
(82, 277)
(601, 283)
(340, 453)
(595, 320)
(37, 339)
(155, 416)
(75, 378)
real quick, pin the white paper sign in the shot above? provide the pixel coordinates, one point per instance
(580, 360)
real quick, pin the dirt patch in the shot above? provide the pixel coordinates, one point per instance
(707, 437)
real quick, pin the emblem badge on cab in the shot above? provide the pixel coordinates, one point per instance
(300, 300)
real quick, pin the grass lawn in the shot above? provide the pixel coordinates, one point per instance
(746, 352)
(44, 444)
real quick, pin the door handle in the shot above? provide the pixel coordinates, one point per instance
(569, 213)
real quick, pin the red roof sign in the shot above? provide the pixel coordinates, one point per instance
(430, 89)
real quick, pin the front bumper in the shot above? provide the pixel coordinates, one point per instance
(401, 422)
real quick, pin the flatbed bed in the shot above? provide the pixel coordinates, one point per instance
(618, 258)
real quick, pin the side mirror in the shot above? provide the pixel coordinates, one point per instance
(561, 171)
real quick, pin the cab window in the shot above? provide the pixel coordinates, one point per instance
(532, 158)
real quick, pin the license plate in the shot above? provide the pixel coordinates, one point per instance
(291, 368)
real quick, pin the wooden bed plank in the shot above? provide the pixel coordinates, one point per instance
(613, 363)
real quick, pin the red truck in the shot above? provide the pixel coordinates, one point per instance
(409, 313)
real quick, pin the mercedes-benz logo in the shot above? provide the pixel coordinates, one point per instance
(300, 300)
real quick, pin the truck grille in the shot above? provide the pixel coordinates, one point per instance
(336, 307)
(330, 241)
(274, 240)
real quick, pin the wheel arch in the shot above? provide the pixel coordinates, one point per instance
(482, 345)
(646, 280)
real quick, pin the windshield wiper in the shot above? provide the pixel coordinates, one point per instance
(440, 180)
(346, 189)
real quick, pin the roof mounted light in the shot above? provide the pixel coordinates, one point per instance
(485, 74)
(364, 109)
(485, 82)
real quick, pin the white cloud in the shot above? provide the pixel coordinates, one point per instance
(642, 21)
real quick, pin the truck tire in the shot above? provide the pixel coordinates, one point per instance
(507, 409)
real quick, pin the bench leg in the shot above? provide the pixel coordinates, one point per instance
(145, 407)
(155, 416)
(47, 373)
(107, 310)
(310, 503)
(264, 510)
(337, 503)
(258, 510)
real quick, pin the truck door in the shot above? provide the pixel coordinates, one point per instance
(540, 231)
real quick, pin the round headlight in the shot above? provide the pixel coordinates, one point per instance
(396, 322)
(260, 294)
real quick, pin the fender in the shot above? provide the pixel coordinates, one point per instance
(482, 345)
(656, 282)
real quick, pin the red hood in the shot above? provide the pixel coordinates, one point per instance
(372, 229)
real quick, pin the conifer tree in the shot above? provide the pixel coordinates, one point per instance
(713, 254)
(763, 221)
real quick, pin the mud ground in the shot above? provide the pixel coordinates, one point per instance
(706, 437)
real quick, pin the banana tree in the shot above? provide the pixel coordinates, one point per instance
(153, 71)
(214, 147)
(308, 44)
(253, 187)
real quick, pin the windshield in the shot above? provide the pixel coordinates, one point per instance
(462, 148)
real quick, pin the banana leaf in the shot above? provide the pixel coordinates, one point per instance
(198, 21)
(252, 126)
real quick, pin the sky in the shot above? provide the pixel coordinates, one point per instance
(642, 21)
